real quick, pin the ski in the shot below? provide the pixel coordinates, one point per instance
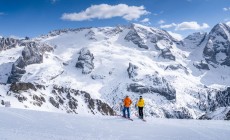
(125, 117)
(139, 117)
(143, 120)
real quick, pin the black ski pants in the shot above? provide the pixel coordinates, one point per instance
(140, 109)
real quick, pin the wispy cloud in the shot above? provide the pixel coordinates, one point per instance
(159, 13)
(145, 20)
(105, 11)
(2, 13)
(193, 25)
(226, 9)
(168, 25)
(161, 22)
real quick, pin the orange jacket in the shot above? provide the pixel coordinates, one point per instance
(127, 102)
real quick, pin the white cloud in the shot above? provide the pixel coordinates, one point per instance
(161, 22)
(169, 25)
(226, 8)
(105, 11)
(145, 20)
(176, 35)
(193, 25)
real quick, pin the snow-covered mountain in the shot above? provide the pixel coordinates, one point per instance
(90, 71)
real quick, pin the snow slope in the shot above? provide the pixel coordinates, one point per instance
(33, 125)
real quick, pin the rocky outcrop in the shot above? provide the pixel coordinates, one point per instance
(136, 39)
(177, 67)
(17, 71)
(85, 61)
(132, 70)
(31, 54)
(201, 65)
(97, 76)
(167, 54)
(67, 99)
(38, 100)
(94, 105)
(154, 84)
(222, 113)
(223, 98)
(228, 116)
(90, 35)
(54, 102)
(216, 104)
(8, 43)
(20, 86)
(181, 113)
(138, 88)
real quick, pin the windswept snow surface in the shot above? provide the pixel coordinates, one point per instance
(16, 124)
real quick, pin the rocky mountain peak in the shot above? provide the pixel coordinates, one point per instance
(8, 43)
(195, 39)
(221, 30)
(217, 48)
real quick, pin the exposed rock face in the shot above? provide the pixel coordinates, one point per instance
(18, 69)
(85, 61)
(222, 113)
(132, 70)
(176, 67)
(38, 100)
(228, 116)
(136, 39)
(16, 87)
(217, 103)
(8, 43)
(201, 65)
(96, 77)
(223, 98)
(154, 84)
(167, 54)
(181, 113)
(31, 54)
(139, 35)
(195, 40)
(137, 88)
(62, 31)
(217, 49)
(90, 35)
(62, 98)
(94, 105)
(53, 102)
(2, 102)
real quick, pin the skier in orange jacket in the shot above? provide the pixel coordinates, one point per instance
(127, 103)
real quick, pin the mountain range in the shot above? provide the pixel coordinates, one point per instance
(90, 71)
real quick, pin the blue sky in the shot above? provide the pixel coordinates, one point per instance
(35, 17)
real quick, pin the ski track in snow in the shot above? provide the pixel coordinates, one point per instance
(33, 125)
